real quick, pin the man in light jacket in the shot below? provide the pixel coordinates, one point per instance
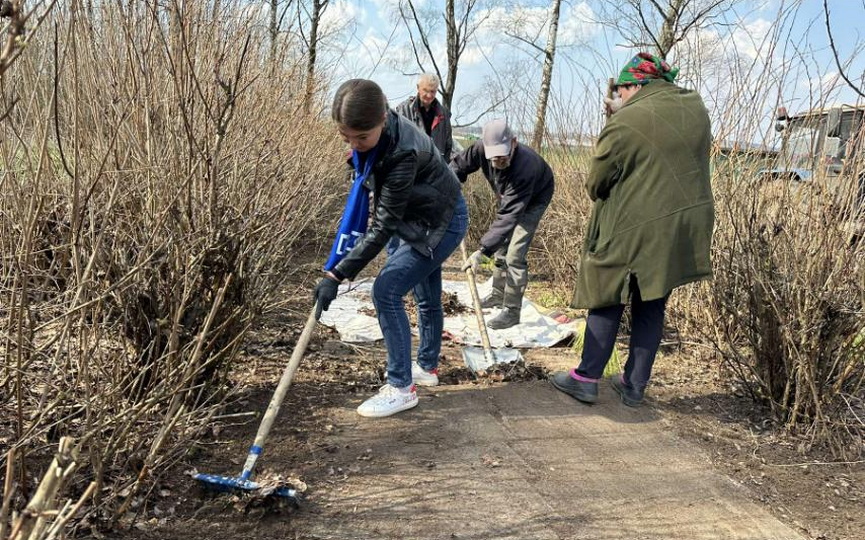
(651, 225)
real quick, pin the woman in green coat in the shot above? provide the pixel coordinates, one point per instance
(651, 225)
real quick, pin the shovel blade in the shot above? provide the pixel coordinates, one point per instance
(479, 360)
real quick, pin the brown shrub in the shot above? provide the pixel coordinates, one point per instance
(160, 182)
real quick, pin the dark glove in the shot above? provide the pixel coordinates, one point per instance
(323, 295)
(473, 261)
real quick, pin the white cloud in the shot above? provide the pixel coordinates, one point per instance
(523, 21)
(388, 10)
(750, 39)
(578, 25)
(374, 44)
(473, 55)
(385, 5)
(822, 89)
(341, 14)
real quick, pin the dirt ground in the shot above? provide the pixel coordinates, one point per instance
(809, 490)
(343, 463)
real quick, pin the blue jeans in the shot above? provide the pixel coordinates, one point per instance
(393, 245)
(407, 270)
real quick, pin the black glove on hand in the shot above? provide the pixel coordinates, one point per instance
(323, 295)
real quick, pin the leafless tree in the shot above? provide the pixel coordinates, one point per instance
(659, 25)
(312, 12)
(525, 28)
(275, 23)
(461, 19)
(549, 52)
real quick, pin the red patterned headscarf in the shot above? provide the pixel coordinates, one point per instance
(644, 68)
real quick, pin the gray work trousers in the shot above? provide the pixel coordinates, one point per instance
(512, 269)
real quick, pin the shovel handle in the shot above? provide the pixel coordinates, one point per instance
(476, 300)
(611, 84)
(278, 396)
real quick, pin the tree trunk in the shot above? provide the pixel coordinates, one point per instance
(546, 77)
(315, 17)
(453, 54)
(668, 30)
(273, 29)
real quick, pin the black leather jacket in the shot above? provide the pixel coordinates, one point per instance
(414, 196)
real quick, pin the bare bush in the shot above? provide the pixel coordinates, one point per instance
(160, 181)
(785, 310)
(787, 300)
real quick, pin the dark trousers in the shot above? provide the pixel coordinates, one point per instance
(602, 326)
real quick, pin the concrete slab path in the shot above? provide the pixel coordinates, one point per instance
(524, 461)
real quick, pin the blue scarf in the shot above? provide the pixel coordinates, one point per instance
(353, 223)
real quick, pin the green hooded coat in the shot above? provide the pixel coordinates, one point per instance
(653, 214)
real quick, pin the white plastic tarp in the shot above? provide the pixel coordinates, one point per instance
(353, 316)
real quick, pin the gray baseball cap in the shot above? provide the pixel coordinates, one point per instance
(497, 137)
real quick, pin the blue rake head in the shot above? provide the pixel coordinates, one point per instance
(238, 483)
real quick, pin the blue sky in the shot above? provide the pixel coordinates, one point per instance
(766, 53)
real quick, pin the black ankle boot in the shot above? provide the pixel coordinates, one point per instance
(584, 391)
(493, 300)
(507, 318)
(630, 395)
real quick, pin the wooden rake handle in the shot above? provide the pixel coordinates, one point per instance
(476, 300)
(279, 396)
(611, 84)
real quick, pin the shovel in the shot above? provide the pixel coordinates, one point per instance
(480, 360)
(244, 482)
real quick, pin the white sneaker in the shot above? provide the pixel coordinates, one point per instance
(422, 377)
(389, 400)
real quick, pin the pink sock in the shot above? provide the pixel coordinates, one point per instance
(577, 377)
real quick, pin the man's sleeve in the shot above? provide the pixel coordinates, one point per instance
(468, 161)
(404, 109)
(515, 198)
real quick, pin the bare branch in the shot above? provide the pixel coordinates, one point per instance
(414, 46)
(647, 27)
(424, 39)
(698, 18)
(528, 42)
(486, 111)
(835, 53)
(657, 7)
(16, 39)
